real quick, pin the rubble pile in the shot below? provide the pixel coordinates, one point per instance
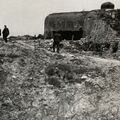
(40, 84)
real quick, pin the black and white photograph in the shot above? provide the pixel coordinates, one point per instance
(59, 59)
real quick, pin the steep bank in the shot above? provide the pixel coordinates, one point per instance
(99, 26)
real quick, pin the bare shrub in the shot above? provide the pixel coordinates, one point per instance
(50, 70)
(64, 67)
(54, 81)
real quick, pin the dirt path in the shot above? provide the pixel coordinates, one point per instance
(23, 44)
(105, 61)
(97, 60)
(69, 56)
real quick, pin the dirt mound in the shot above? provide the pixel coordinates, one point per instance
(77, 86)
(39, 84)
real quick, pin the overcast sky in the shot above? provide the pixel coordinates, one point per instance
(27, 16)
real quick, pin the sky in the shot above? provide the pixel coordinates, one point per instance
(27, 16)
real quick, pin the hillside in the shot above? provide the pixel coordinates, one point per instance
(102, 26)
(37, 84)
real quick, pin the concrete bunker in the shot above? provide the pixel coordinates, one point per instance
(71, 35)
(69, 25)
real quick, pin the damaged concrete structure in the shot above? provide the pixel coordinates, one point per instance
(70, 25)
(96, 25)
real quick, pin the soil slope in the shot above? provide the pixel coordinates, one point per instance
(37, 84)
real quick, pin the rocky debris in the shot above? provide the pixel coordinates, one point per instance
(15, 70)
(79, 85)
(39, 84)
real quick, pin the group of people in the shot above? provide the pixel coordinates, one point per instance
(5, 33)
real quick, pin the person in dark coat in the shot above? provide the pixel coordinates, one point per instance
(5, 33)
(0, 32)
(56, 41)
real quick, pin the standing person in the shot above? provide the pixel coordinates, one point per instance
(5, 33)
(56, 41)
(0, 32)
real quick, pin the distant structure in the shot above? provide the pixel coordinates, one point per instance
(107, 5)
(84, 24)
(69, 25)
